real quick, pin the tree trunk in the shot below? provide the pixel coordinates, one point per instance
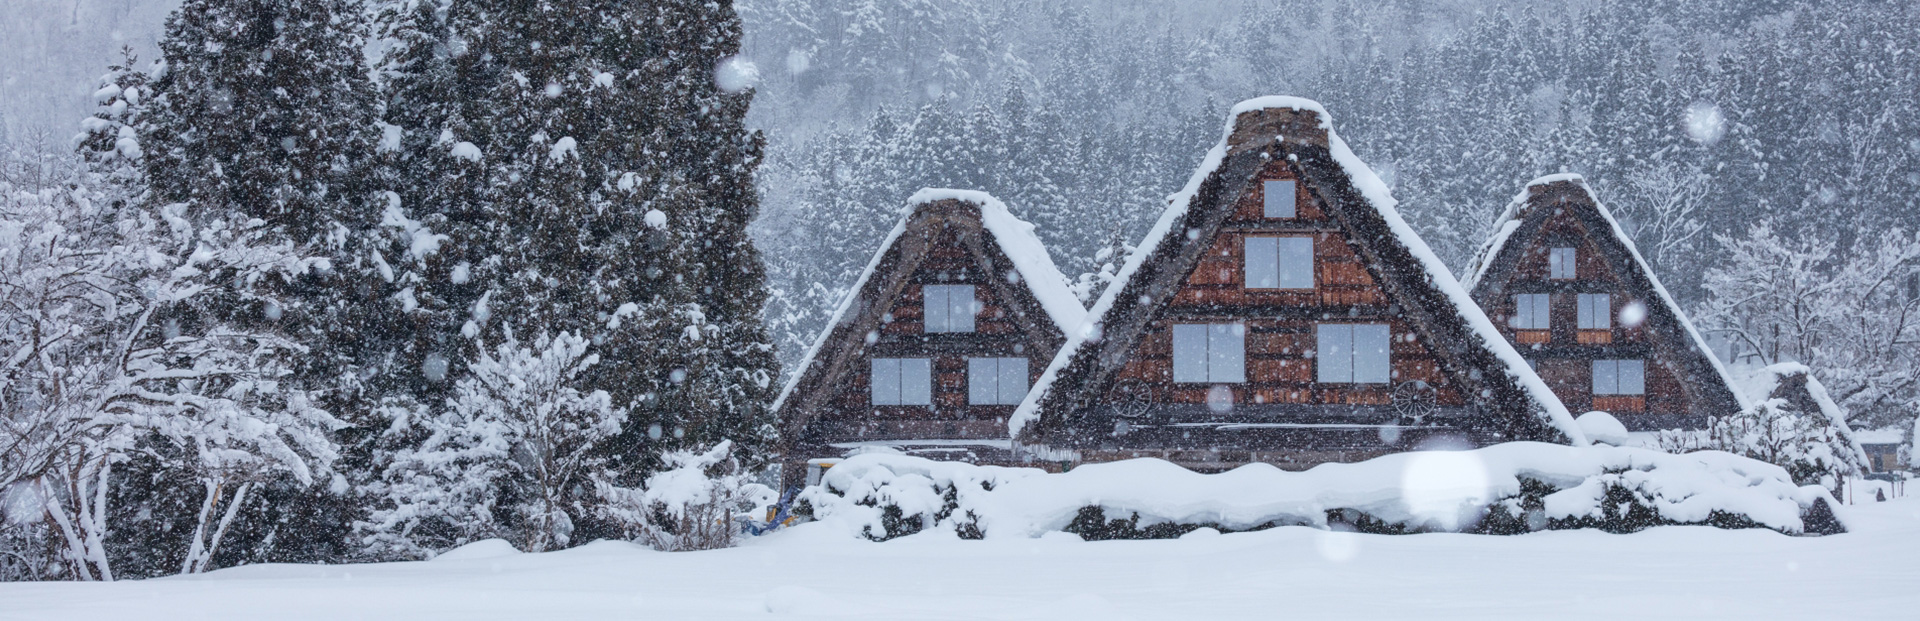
(198, 547)
(83, 531)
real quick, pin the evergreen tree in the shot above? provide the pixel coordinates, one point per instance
(109, 142)
(587, 174)
(263, 120)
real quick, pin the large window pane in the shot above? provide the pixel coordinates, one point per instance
(1296, 262)
(1372, 345)
(983, 377)
(1532, 311)
(1334, 351)
(1013, 380)
(1279, 262)
(1596, 311)
(1209, 353)
(934, 307)
(1226, 353)
(1606, 377)
(1633, 377)
(1190, 353)
(1278, 198)
(961, 308)
(1262, 263)
(886, 381)
(916, 381)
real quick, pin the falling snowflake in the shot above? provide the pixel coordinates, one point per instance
(736, 74)
(1705, 123)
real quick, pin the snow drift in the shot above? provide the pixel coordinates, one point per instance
(1504, 489)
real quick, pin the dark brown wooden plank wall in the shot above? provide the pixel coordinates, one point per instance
(1280, 323)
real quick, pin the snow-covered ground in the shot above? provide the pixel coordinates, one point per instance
(1294, 572)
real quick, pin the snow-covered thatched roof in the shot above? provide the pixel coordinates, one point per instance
(1013, 237)
(1531, 206)
(1362, 191)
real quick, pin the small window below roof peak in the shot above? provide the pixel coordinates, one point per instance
(1277, 198)
(948, 308)
(1562, 264)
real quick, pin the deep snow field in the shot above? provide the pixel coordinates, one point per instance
(1292, 572)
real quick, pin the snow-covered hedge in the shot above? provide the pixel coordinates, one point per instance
(1504, 489)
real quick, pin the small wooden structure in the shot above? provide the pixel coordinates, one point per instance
(936, 344)
(1566, 285)
(1882, 447)
(1281, 311)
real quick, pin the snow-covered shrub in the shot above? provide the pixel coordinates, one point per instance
(888, 496)
(121, 317)
(1504, 489)
(503, 458)
(691, 505)
(26, 550)
(1603, 428)
(1794, 424)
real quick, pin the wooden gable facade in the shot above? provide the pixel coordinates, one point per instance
(1292, 329)
(940, 339)
(1566, 286)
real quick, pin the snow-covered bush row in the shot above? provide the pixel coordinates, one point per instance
(690, 505)
(1504, 489)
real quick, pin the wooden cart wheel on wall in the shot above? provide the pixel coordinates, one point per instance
(1414, 401)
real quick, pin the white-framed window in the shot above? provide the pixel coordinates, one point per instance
(996, 381)
(1210, 353)
(1596, 311)
(1532, 311)
(1279, 262)
(1561, 264)
(1619, 377)
(949, 308)
(902, 381)
(1354, 353)
(1277, 198)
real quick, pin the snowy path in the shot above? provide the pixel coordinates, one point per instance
(1681, 572)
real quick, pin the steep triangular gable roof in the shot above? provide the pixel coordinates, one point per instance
(1524, 220)
(906, 245)
(1300, 131)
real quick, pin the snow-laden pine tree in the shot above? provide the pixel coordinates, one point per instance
(585, 172)
(109, 141)
(502, 458)
(264, 110)
(440, 186)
